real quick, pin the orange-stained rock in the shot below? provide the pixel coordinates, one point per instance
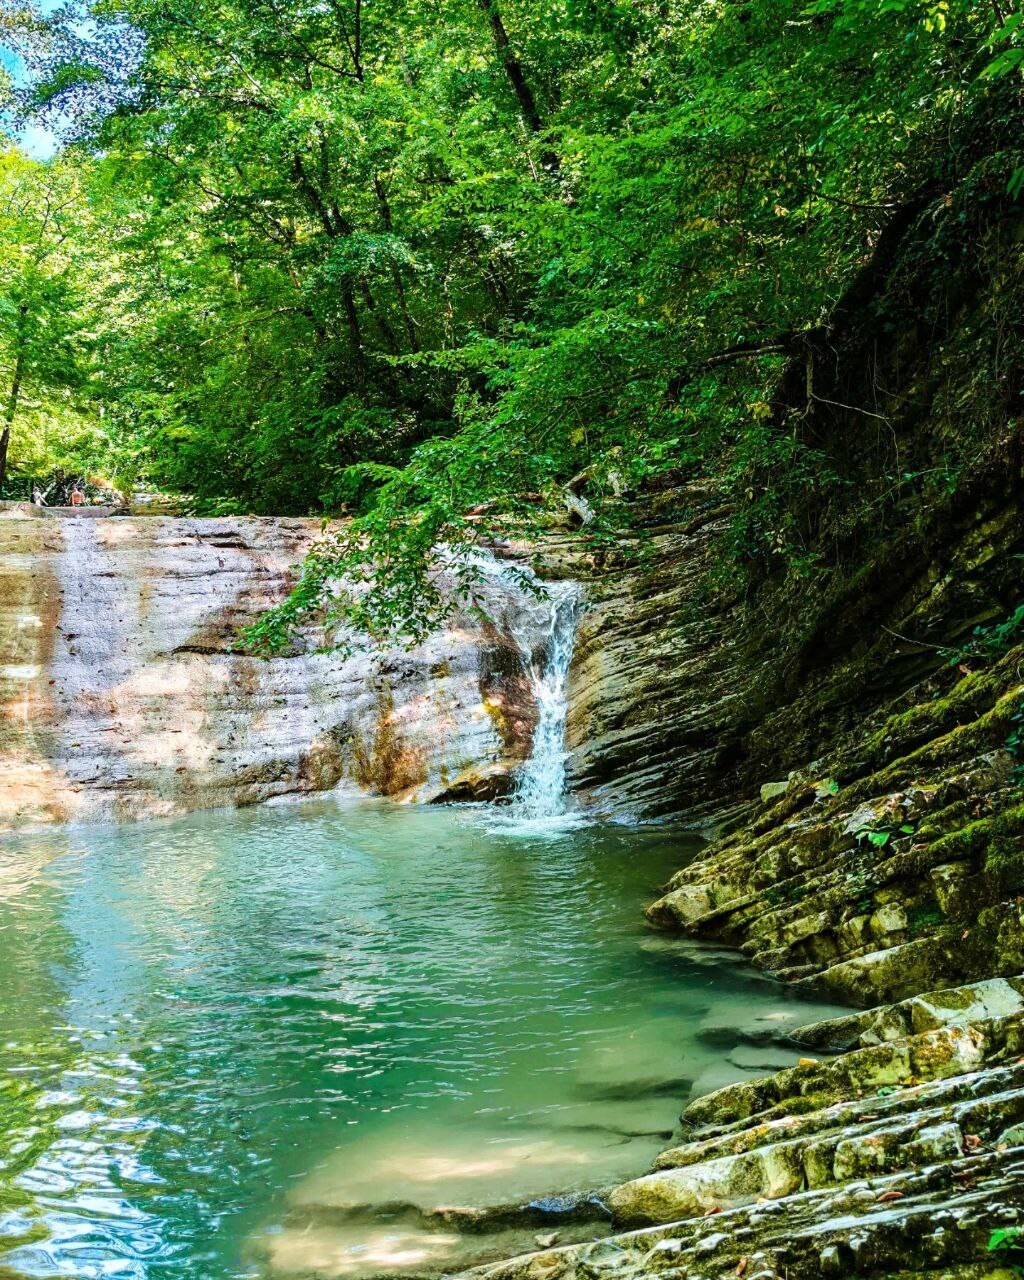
(125, 691)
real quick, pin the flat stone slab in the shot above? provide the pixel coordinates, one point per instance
(83, 513)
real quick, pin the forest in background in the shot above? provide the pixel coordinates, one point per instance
(401, 260)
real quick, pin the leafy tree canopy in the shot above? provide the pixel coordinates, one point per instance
(401, 259)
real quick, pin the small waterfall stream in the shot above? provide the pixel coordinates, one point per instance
(541, 789)
(541, 617)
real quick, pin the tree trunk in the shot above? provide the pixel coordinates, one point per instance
(383, 324)
(517, 78)
(5, 440)
(12, 401)
(396, 275)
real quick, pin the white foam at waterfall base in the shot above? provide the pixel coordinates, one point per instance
(542, 618)
(539, 802)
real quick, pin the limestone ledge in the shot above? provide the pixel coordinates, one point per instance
(903, 1157)
(124, 691)
(887, 869)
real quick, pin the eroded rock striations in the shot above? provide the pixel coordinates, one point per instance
(890, 876)
(655, 686)
(124, 692)
(862, 736)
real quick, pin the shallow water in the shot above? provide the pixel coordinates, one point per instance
(221, 1036)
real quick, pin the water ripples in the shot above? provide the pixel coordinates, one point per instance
(207, 1024)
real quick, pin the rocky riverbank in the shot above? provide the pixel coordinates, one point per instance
(888, 875)
(884, 872)
(851, 712)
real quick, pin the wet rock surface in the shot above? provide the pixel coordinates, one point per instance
(687, 701)
(886, 875)
(125, 691)
(904, 1158)
(890, 868)
(453, 1207)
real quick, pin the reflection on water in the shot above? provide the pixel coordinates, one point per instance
(223, 1038)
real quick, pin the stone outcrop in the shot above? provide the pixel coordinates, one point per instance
(890, 868)
(654, 682)
(674, 710)
(888, 874)
(124, 691)
(904, 1157)
(686, 700)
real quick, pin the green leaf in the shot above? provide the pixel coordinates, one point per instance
(1005, 62)
(1005, 1238)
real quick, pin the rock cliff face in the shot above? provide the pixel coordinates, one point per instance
(889, 876)
(684, 701)
(123, 692)
(654, 678)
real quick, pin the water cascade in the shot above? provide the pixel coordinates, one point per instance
(541, 789)
(541, 617)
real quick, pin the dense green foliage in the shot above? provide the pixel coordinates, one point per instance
(50, 290)
(402, 259)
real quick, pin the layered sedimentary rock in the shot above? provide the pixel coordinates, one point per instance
(124, 690)
(685, 698)
(891, 866)
(655, 683)
(888, 875)
(127, 693)
(909, 1162)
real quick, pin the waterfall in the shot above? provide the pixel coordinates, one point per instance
(541, 617)
(541, 789)
(126, 694)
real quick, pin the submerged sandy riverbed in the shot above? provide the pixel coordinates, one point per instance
(279, 1042)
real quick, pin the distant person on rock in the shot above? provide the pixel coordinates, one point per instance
(77, 496)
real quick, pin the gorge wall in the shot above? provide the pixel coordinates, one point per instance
(875, 681)
(684, 702)
(123, 692)
(733, 639)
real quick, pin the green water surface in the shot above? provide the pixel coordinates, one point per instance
(221, 1036)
